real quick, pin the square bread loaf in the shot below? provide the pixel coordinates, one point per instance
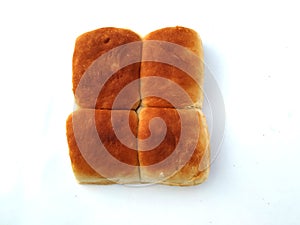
(95, 91)
(156, 132)
(96, 153)
(181, 158)
(176, 54)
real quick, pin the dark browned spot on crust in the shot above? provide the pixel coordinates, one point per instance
(106, 40)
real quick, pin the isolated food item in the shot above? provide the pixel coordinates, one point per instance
(176, 54)
(91, 89)
(180, 152)
(156, 133)
(111, 161)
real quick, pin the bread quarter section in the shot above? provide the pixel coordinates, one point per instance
(97, 155)
(98, 46)
(174, 53)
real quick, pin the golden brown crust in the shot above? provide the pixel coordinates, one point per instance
(193, 64)
(183, 36)
(89, 47)
(197, 168)
(182, 158)
(80, 135)
(189, 165)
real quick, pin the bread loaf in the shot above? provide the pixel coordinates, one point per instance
(182, 158)
(178, 57)
(157, 134)
(93, 45)
(97, 155)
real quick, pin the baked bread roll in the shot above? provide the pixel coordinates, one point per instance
(176, 54)
(94, 91)
(157, 133)
(109, 162)
(182, 157)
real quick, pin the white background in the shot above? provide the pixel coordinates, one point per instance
(253, 48)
